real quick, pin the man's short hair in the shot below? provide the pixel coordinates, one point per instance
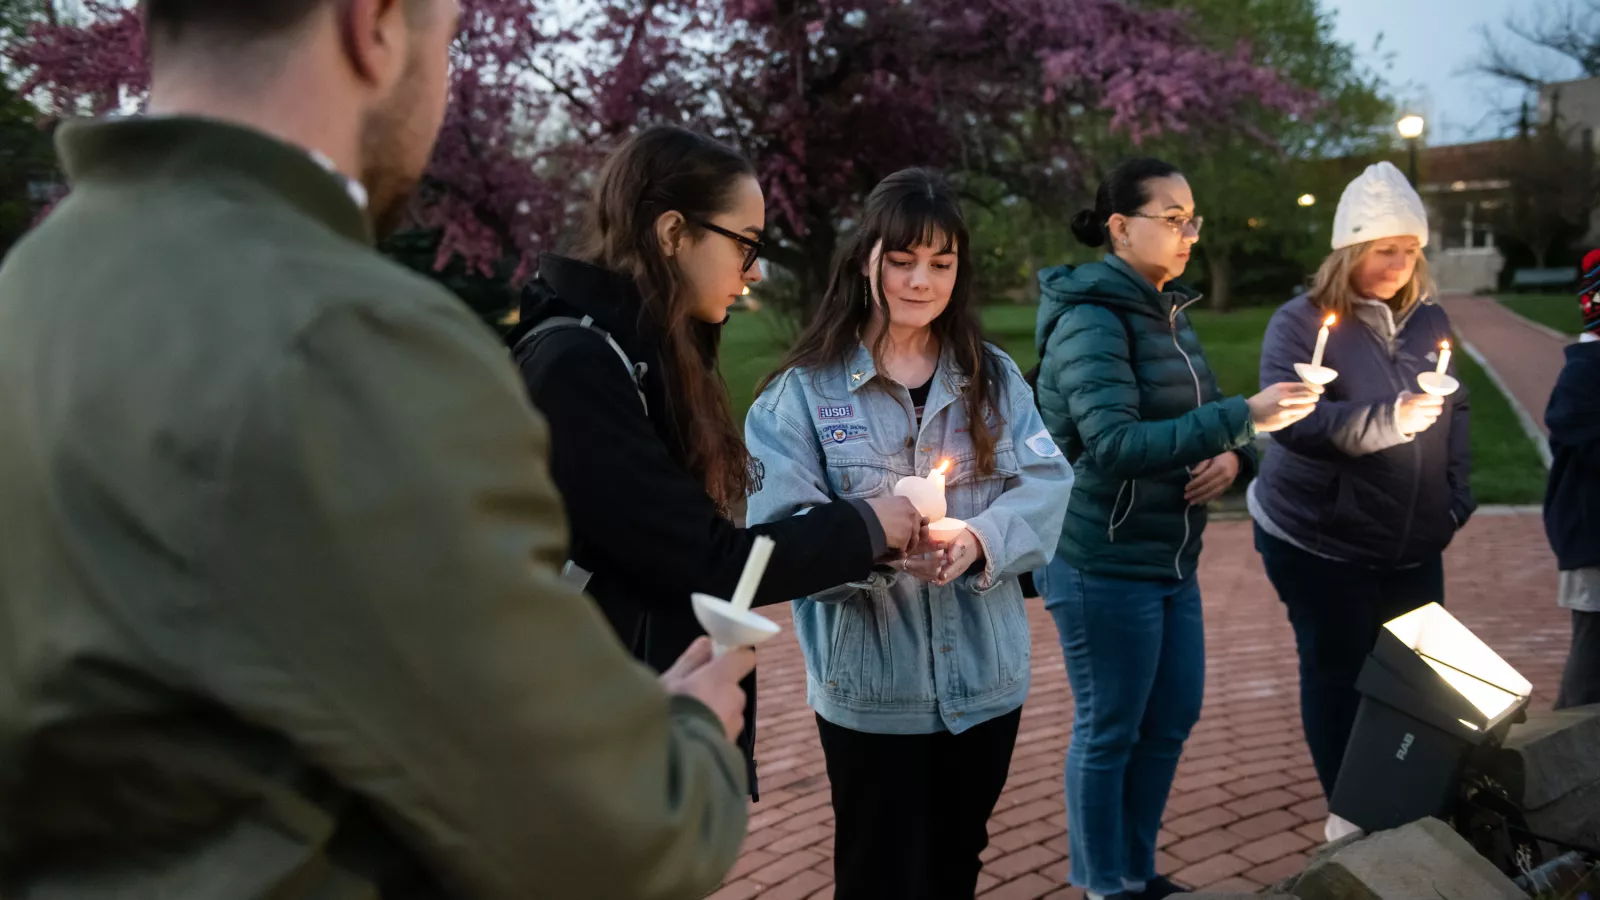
(240, 20)
(233, 21)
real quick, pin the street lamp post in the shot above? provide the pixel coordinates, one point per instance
(1411, 128)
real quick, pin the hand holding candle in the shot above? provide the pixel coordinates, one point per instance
(928, 496)
(904, 526)
(957, 555)
(1280, 405)
(713, 678)
(1416, 413)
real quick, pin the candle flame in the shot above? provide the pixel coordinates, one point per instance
(1444, 345)
(944, 467)
(1328, 322)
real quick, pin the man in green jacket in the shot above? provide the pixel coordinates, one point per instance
(279, 607)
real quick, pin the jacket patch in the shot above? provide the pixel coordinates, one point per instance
(827, 413)
(1043, 446)
(842, 434)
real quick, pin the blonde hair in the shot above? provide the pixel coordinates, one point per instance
(1334, 288)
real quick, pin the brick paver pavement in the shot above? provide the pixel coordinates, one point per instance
(1246, 807)
(1527, 359)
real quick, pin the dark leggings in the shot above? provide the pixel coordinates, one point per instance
(1336, 609)
(911, 811)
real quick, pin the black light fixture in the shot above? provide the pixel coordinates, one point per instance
(1431, 693)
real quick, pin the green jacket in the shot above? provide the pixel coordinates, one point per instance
(279, 605)
(1127, 394)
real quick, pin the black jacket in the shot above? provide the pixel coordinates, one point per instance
(1572, 500)
(640, 522)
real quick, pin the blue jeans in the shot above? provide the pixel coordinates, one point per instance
(1135, 654)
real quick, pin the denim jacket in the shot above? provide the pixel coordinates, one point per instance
(895, 655)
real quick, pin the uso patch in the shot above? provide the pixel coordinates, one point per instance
(842, 434)
(827, 413)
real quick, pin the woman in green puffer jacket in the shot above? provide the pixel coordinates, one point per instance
(1126, 392)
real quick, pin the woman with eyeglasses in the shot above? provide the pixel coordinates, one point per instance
(618, 349)
(1126, 392)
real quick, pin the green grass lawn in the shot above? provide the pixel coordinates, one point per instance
(1506, 467)
(1558, 311)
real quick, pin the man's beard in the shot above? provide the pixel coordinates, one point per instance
(390, 201)
(384, 153)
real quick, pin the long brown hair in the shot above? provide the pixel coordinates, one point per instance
(1334, 288)
(911, 208)
(659, 170)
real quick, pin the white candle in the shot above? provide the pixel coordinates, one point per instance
(1322, 339)
(754, 568)
(926, 494)
(1444, 357)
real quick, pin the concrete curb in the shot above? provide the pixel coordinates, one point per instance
(1529, 426)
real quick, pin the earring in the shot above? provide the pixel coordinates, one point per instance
(1124, 242)
(866, 295)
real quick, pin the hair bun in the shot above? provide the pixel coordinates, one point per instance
(1087, 228)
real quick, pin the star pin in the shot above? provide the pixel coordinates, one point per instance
(857, 376)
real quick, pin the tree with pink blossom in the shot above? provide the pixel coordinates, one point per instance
(825, 96)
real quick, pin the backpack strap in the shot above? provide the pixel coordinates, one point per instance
(571, 572)
(636, 371)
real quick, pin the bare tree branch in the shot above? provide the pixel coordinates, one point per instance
(1569, 29)
(1500, 62)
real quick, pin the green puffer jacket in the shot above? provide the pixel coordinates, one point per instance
(1126, 392)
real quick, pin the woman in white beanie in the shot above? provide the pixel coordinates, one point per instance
(1356, 503)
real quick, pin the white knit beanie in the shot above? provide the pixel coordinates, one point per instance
(1379, 204)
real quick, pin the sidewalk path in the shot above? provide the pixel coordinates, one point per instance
(1524, 358)
(1246, 807)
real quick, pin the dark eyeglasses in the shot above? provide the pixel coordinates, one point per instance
(753, 246)
(1178, 223)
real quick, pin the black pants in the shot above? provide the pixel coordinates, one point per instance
(1580, 683)
(1337, 609)
(911, 811)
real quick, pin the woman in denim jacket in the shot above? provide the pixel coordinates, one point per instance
(918, 674)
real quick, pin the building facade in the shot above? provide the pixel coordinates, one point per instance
(1577, 103)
